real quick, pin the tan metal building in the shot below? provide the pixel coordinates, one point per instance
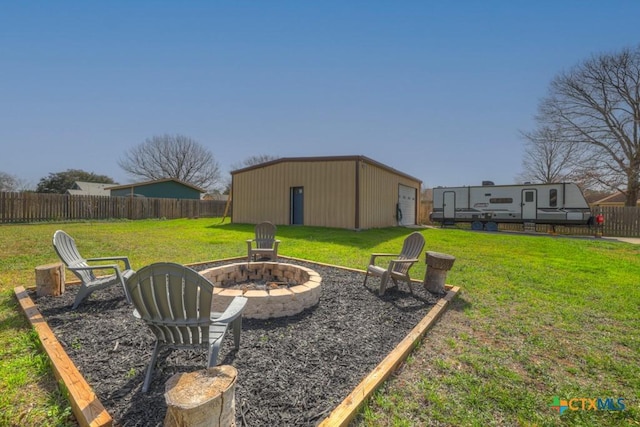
(352, 192)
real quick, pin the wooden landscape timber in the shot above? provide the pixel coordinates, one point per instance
(90, 412)
(344, 413)
(86, 407)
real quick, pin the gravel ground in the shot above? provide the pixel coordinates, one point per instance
(291, 371)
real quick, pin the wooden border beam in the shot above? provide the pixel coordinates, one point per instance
(344, 413)
(86, 407)
(89, 410)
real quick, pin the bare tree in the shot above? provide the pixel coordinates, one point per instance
(548, 156)
(254, 160)
(596, 105)
(10, 182)
(172, 156)
(249, 161)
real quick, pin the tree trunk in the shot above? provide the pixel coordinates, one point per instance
(632, 191)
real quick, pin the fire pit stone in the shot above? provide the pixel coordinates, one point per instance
(282, 289)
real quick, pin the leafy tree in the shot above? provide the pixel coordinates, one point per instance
(60, 182)
(596, 105)
(172, 156)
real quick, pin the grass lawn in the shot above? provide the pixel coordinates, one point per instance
(538, 317)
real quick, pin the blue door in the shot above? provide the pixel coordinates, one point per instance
(296, 216)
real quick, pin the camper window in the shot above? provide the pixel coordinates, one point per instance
(553, 198)
(505, 200)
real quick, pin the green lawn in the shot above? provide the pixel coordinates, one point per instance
(538, 317)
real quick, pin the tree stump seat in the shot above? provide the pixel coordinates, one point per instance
(202, 398)
(50, 279)
(438, 264)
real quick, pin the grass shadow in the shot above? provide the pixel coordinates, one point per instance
(361, 239)
(460, 304)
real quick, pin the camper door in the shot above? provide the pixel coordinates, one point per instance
(449, 205)
(529, 204)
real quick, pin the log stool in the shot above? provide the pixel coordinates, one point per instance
(202, 398)
(438, 264)
(50, 279)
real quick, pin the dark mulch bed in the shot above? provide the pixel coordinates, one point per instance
(291, 371)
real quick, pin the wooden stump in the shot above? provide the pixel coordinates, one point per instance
(50, 279)
(202, 398)
(438, 264)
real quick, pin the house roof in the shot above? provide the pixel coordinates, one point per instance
(157, 181)
(82, 188)
(592, 198)
(618, 197)
(327, 159)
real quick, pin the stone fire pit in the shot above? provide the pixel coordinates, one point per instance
(273, 289)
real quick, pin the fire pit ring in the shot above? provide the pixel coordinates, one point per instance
(289, 289)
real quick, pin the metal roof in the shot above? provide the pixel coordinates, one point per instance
(326, 159)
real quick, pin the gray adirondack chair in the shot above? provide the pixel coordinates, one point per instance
(398, 268)
(264, 245)
(66, 249)
(175, 303)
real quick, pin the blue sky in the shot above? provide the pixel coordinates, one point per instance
(438, 90)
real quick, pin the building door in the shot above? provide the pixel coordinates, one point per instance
(296, 214)
(406, 205)
(529, 205)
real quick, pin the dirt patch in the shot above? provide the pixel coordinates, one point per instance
(292, 371)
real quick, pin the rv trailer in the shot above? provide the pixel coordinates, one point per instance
(487, 205)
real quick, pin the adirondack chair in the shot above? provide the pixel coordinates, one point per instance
(66, 249)
(398, 268)
(175, 303)
(264, 245)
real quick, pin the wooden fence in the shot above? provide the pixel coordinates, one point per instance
(34, 207)
(618, 222)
